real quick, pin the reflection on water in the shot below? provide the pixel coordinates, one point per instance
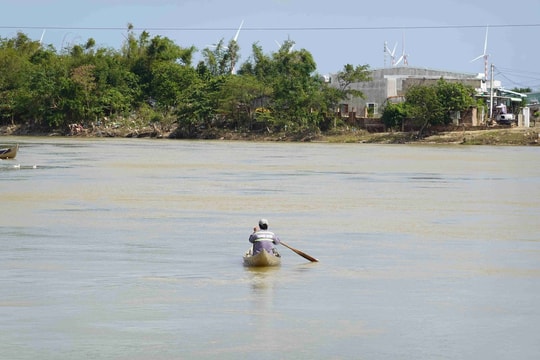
(132, 249)
(262, 280)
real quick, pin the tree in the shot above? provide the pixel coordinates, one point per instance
(13, 68)
(394, 115)
(15, 64)
(133, 48)
(345, 78)
(350, 75)
(197, 108)
(85, 104)
(261, 66)
(212, 59)
(223, 59)
(232, 55)
(434, 104)
(453, 97)
(164, 49)
(278, 90)
(118, 88)
(424, 106)
(522, 90)
(294, 87)
(22, 44)
(170, 83)
(41, 103)
(236, 99)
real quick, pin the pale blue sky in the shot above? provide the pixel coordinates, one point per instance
(443, 35)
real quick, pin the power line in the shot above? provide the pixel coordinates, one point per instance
(527, 79)
(314, 28)
(518, 72)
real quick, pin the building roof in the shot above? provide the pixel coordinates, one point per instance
(408, 71)
(503, 90)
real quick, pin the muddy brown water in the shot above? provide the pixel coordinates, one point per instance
(132, 249)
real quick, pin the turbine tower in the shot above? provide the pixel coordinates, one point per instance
(384, 52)
(485, 55)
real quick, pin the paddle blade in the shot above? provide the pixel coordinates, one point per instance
(301, 253)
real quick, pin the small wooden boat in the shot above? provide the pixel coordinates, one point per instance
(8, 152)
(264, 258)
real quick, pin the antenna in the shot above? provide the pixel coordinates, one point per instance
(485, 55)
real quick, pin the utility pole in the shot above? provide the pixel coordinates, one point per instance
(491, 94)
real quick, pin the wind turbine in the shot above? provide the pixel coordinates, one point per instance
(238, 31)
(403, 56)
(288, 42)
(219, 45)
(391, 53)
(485, 55)
(233, 60)
(42, 35)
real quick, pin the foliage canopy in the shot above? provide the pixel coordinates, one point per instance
(152, 77)
(429, 105)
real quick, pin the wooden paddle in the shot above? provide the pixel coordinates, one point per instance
(301, 253)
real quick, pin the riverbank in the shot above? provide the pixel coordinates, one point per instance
(516, 136)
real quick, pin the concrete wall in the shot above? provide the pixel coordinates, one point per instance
(407, 83)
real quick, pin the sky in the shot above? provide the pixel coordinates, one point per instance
(439, 35)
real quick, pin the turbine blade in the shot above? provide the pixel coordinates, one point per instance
(238, 31)
(476, 58)
(485, 42)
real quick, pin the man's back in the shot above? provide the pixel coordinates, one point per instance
(263, 239)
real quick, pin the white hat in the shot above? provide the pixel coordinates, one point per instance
(263, 222)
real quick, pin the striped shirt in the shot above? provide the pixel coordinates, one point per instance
(263, 239)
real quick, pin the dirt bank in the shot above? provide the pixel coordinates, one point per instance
(494, 136)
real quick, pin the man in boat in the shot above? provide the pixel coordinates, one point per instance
(263, 239)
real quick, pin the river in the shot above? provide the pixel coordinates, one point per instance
(132, 249)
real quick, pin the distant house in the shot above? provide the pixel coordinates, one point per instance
(509, 100)
(391, 84)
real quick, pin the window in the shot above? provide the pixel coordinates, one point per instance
(344, 109)
(372, 108)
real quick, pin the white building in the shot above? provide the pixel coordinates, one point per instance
(389, 84)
